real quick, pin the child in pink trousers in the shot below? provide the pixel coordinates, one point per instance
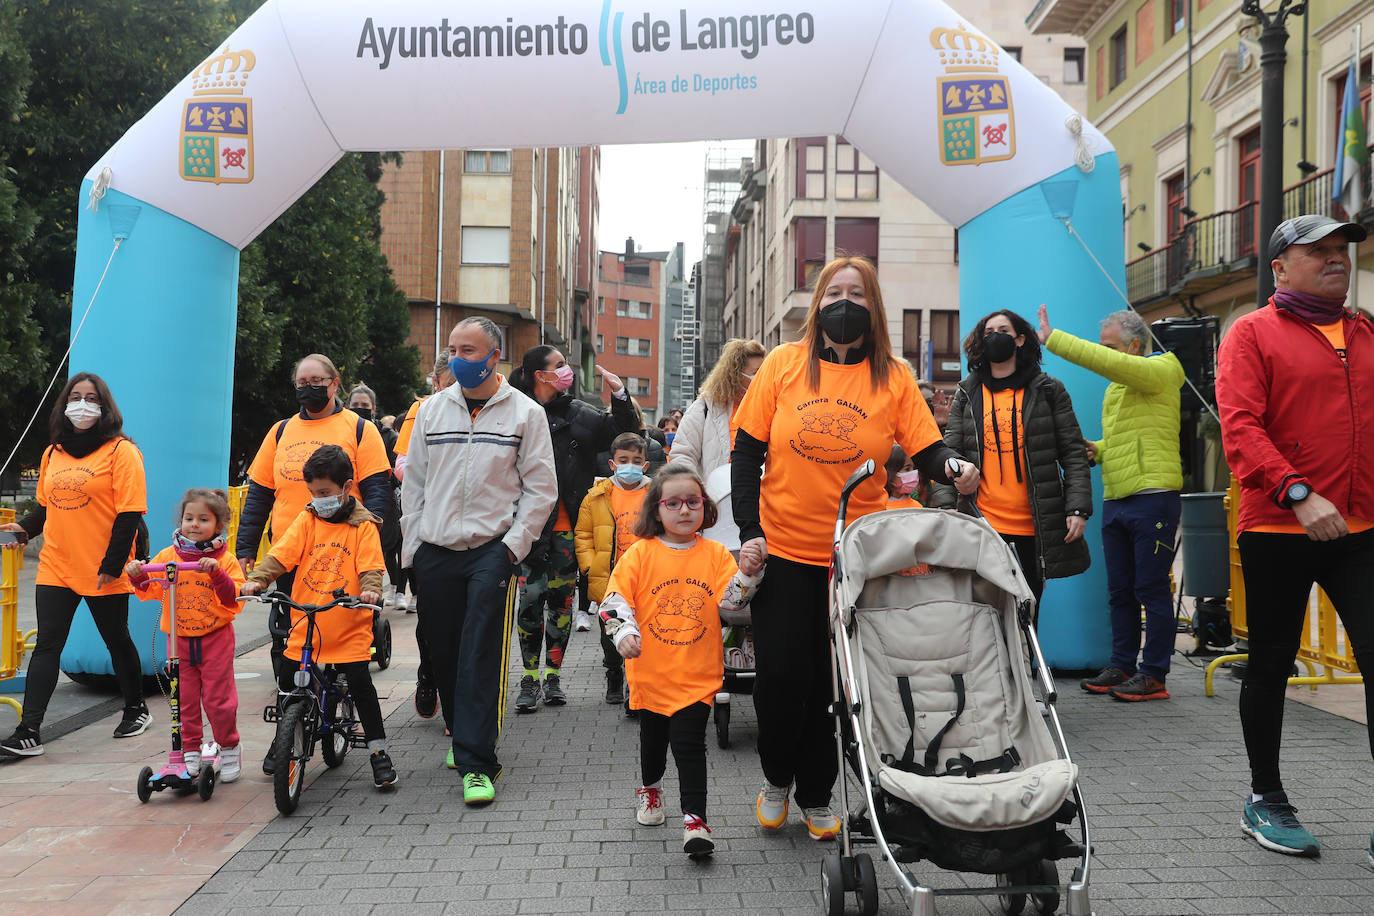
(206, 608)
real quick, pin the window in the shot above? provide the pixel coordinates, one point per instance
(496, 161)
(633, 346)
(856, 238)
(944, 334)
(911, 335)
(486, 245)
(600, 307)
(600, 345)
(856, 177)
(1178, 16)
(1247, 196)
(629, 308)
(1013, 51)
(1101, 74)
(1073, 65)
(1144, 31)
(637, 386)
(1118, 43)
(811, 167)
(1175, 193)
(809, 233)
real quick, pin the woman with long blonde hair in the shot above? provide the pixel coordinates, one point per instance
(816, 410)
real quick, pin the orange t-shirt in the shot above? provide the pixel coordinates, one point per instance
(329, 556)
(625, 506)
(903, 502)
(1002, 498)
(199, 610)
(407, 427)
(676, 596)
(734, 426)
(817, 438)
(1335, 333)
(83, 496)
(563, 522)
(277, 465)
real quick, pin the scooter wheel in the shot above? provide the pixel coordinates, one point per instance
(205, 783)
(145, 785)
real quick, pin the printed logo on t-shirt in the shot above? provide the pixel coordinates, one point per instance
(194, 613)
(998, 440)
(68, 488)
(679, 611)
(827, 431)
(294, 458)
(624, 535)
(325, 570)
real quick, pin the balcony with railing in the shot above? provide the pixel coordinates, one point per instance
(1221, 248)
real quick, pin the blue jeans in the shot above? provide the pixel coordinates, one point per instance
(1138, 537)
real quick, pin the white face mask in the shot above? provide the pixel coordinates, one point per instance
(82, 414)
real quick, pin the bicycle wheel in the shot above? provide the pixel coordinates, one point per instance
(335, 744)
(291, 750)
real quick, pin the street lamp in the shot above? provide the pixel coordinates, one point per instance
(1273, 37)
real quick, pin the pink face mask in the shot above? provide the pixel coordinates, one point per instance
(563, 378)
(907, 481)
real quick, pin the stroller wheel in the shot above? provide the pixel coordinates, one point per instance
(1012, 904)
(867, 880)
(723, 724)
(1049, 874)
(832, 885)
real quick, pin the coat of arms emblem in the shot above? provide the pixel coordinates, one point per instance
(974, 103)
(217, 121)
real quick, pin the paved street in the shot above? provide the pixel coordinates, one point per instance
(1164, 780)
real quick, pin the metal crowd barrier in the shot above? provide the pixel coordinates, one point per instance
(13, 642)
(237, 495)
(1324, 642)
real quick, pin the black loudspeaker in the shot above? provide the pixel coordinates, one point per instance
(1194, 342)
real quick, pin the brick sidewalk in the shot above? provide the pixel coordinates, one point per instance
(1164, 781)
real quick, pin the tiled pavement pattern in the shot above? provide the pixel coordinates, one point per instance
(1164, 781)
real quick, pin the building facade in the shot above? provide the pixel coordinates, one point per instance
(629, 323)
(805, 200)
(505, 234)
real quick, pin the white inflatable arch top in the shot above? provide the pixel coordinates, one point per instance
(931, 99)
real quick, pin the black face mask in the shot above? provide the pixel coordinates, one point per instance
(364, 412)
(999, 346)
(844, 322)
(312, 397)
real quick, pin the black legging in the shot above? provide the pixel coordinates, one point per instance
(360, 688)
(56, 607)
(685, 731)
(1279, 571)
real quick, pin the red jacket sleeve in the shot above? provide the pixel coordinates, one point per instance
(1243, 392)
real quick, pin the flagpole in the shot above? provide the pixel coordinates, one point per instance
(1355, 246)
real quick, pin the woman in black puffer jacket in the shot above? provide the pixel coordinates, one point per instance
(580, 431)
(1017, 424)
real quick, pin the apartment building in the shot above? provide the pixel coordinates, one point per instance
(629, 323)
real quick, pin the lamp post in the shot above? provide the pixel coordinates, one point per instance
(1273, 37)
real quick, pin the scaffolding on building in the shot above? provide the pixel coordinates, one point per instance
(720, 190)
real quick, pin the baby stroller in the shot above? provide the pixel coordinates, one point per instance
(930, 620)
(738, 636)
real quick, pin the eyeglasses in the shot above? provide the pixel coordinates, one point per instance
(75, 398)
(673, 505)
(302, 382)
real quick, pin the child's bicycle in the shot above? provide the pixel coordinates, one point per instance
(318, 709)
(174, 774)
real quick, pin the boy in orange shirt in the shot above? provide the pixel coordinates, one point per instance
(334, 543)
(605, 530)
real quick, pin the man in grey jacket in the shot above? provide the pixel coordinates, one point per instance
(479, 485)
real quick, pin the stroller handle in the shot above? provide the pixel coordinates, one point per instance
(861, 473)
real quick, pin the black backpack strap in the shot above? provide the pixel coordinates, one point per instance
(281, 428)
(362, 424)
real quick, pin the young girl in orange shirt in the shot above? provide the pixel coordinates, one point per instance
(666, 593)
(206, 607)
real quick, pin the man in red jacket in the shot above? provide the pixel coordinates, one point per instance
(1295, 387)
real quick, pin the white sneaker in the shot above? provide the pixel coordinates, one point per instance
(191, 760)
(649, 810)
(582, 621)
(389, 596)
(230, 763)
(403, 603)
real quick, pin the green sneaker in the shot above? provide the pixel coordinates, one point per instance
(1273, 822)
(448, 761)
(477, 789)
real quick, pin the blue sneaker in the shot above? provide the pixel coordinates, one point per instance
(1273, 822)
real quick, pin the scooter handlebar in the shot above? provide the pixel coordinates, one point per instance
(151, 568)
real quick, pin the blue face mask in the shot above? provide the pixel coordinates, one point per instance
(470, 373)
(326, 506)
(669, 437)
(629, 474)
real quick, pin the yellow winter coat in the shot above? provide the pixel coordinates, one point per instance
(595, 538)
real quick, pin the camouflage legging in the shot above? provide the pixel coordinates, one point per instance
(552, 592)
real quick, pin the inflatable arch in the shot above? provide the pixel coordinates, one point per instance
(926, 95)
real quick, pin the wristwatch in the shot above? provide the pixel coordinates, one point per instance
(1296, 493)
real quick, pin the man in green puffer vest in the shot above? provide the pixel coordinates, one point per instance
(1142, 474)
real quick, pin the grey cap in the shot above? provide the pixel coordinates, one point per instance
(1309, 228)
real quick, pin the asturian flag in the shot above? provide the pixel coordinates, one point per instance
(1352, 149)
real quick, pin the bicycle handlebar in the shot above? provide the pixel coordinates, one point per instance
(278, 597)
